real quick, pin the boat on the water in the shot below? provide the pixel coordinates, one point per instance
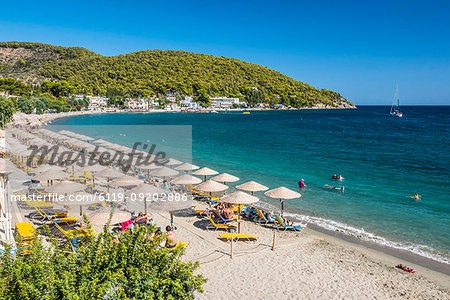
(395, 108)
(246, 112)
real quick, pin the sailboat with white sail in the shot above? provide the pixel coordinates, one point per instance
(395, 108)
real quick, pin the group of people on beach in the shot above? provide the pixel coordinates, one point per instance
(170, 240)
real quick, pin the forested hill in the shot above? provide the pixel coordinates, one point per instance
(153, 72)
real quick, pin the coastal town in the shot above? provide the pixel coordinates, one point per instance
(171, 101)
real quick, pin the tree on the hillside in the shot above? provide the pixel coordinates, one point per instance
(25, 105)
(40, 106)
(57, 89)
(14, 87)
(203, 98)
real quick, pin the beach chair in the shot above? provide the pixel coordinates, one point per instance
(216, 226)
(26, 233)
(286, 227)
(238, 236)
(262, 217)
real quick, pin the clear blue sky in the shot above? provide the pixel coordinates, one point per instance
(358, 48)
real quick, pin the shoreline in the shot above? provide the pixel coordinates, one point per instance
(406, 255)
(411, 257)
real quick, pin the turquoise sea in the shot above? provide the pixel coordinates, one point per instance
(383, 160)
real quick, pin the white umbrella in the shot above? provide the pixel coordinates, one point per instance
(252, 186)
(65, 187)
(143, 192)
(239, 198)
(187, 167)
(205, 172)
(101, 217)
(282, 193)
(186, 179)
(126, 181)
(225, 177)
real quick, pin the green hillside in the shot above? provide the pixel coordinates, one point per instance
(153, 72)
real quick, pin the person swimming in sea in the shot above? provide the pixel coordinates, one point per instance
(334, 176)
(338, 188)
(416, 197)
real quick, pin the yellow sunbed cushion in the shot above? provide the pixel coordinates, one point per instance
(238, 236)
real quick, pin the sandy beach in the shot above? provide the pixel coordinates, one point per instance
(303, 265)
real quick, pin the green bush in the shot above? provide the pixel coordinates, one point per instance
(7, 110)
(128, 267)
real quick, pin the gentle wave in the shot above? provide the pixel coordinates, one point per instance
(422, 250)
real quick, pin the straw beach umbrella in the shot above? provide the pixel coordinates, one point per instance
(211, 186)
(101, 217)
(172, 162)
(126, 180)
(143, 192)
(171, 206)
(65, 187)
(186, 179)
(225, 177)
(282, 193)
(51, 175)
(164, 172)
(252, 186)
(108, 173)
(187, 167)
(239, 198)
(205, 172)
(79, 198)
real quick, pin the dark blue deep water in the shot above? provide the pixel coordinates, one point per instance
(383, 159)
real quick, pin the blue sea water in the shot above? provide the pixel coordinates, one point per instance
(383, 159)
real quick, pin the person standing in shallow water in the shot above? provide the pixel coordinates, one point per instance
(301, 184)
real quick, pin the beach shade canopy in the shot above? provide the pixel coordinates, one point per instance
(93, 168)
(151, 166)
(172, 162)
(51, 175)
(78, 198)
(205, 171)
(109, 173)
(252, 186)
(239, 197)
(164, 172)
(126, 180)
(43, 168)
(99, 141)
(187, 167)
(170, 206)
(225, 177)
(282, 193)
(211, 186)
(101, 217)
(85, 138)
(65, 187)
(186, 179)
(145, 190)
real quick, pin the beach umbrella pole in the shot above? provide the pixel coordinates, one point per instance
(273, 242)
(231, 248)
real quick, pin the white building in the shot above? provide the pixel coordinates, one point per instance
(96, 103)
(189, 103)
(223, 102)
(137, 104)
(171, 106)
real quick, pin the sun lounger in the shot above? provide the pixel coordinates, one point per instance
(216, 226)
(286, 227)
(262, 217)
(238, 236)
(26, 233)
(179, 245)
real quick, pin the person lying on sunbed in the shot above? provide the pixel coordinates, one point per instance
(291, 223)
(171, 240)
